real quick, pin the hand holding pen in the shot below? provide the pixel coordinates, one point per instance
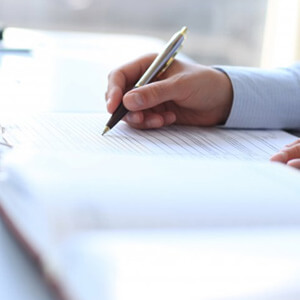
(157, 67)
(188, 94)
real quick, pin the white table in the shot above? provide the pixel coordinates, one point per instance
(64, 72)
(68, 72)
(19, 279)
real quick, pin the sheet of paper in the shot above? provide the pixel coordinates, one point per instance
(244, 264)
(82, 192)
(82, 133)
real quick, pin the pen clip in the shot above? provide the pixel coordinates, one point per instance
(168, 63)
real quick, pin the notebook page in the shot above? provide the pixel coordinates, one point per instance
(83, 192)
(82, 133)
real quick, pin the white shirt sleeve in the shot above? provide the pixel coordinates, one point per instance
(264, 98)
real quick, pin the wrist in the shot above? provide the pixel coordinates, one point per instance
(223, 95)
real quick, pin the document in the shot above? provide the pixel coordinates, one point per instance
(68, 208)
(67, 198)
(81, 132)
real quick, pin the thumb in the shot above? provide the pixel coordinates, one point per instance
(151, 95)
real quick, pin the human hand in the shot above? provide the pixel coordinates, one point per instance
(187, 94)
(289, 155)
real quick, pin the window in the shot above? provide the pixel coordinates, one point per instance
(282, 33)
(220, 31)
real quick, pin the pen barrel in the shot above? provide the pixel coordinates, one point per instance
(158, 66)
(162, 61)
(119, 113)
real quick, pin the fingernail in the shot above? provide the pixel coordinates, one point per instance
(133, 118)
(135, 101)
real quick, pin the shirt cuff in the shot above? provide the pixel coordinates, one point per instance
(264, 98)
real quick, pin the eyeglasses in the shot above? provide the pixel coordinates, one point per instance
(4, 141)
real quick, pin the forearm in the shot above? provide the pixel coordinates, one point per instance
(264, 98)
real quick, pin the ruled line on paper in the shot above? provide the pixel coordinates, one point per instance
(81, 132)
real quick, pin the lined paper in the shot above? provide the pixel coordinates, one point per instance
(81, 132)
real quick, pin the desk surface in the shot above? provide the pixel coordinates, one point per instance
(68, 72)
(64, 72)
(19, 278)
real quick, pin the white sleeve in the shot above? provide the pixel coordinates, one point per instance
(264, 98)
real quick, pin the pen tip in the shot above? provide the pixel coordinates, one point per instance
(106, 129)
(184, 30)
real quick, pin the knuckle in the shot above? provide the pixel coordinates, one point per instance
(156, 92)
(294, 152)
(181, 81)
(297, 148)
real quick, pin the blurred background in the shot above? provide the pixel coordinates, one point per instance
(236, 32)
(220, 31)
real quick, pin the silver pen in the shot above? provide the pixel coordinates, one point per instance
(158, 66)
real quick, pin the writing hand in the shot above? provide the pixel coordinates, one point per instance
(289, 155)
(188, 94)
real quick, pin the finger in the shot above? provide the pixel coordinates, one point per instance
(155, 93)
(280, 157)
(134, 117)
(123, 79)
(292, 144)
(294, 163)
(156, 120)
(293, 152)
(128, 74)
(151, 120)
(114, 98)
(169, 118)
(287, 154)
